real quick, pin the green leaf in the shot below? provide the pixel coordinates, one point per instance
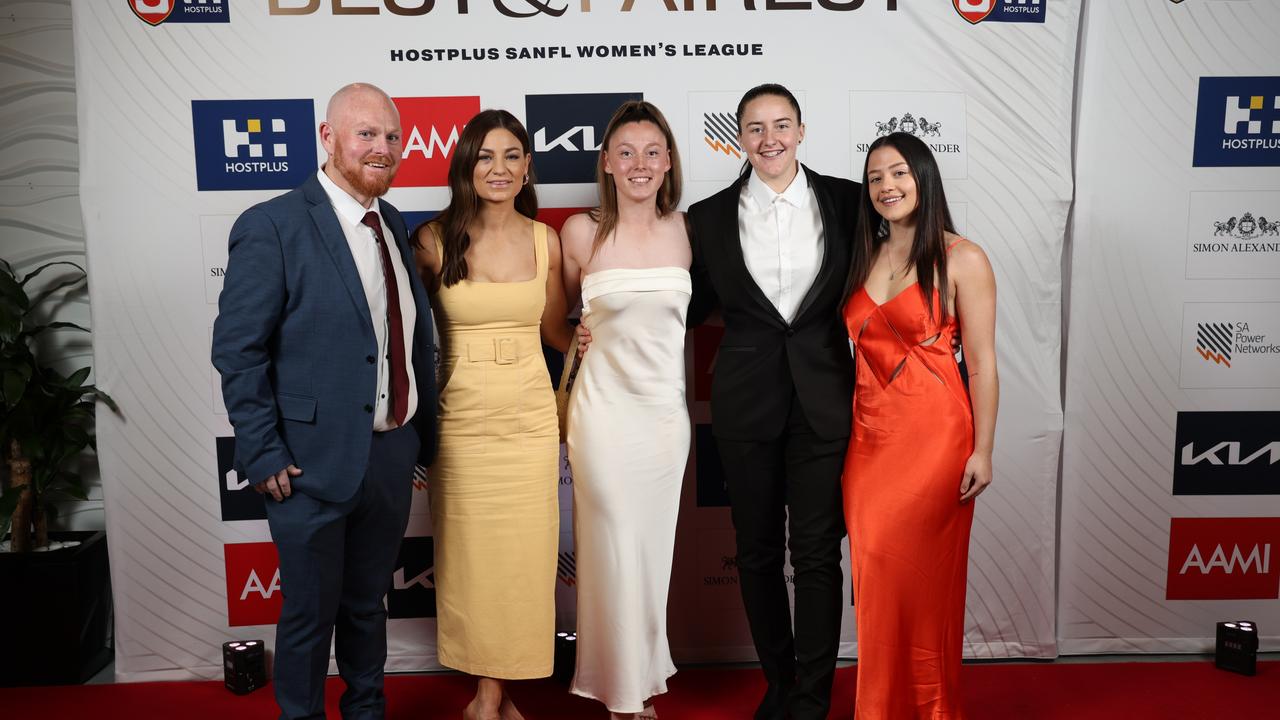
(37, 329)
(42, 268)
(55, 288)
(76, 379)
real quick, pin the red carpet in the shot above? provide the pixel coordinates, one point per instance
(1109, 691)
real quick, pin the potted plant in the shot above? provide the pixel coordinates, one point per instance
(62, 595)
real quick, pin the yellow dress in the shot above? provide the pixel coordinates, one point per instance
(494, 507)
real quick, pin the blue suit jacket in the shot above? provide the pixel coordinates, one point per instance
(295, 345)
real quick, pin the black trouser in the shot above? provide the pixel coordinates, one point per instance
(796, 475)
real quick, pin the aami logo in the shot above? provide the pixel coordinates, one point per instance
(1237, 122)
(976, 11)
(253, 584)
(1223, 559)
(1227, 453)
(253, 144)
(720, 133)
(154, 12)
(413, 584)
(430, 127)
(566, 130)
(238, 498)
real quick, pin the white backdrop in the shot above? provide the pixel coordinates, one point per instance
(164, 151)
(1170, 515)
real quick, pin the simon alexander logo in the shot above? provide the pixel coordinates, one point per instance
(1223, 559)
(154, 12)
(430, 127)
(253, 144)
(253, 584)
(1237, 122)
(413, 584)
(1025, 11)
(1227, 453)
(566, 130)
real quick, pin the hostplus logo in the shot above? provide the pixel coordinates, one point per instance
(155, 12)
(1015, 11)
(253, 144)
(1217, 342)
(566, 133)
(1238, 122)
(430, 127)
(720, 133)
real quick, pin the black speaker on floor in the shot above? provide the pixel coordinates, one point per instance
(566, 657)
(1237, 647)
(244, 665)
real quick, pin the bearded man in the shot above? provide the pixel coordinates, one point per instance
(324, 343)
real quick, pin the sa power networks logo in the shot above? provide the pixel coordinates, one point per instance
(1231, 345)
(1223, 559)
(430, 127)
(413, 584)
(155, 12)
(238, 499)
(720, 133)
(939, 119)
(1227, 453)
(1017, 11)
(566, 132)
(1237, 122)
(253, 144)
(253, 584)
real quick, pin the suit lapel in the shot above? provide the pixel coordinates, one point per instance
(335, 242)
(826, 210)
(733, 251)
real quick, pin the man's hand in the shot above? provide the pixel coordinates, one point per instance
(278, 485)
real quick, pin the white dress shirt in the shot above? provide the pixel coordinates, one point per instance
(782, 243)
(368, 259)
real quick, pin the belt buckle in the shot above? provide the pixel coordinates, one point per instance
(504, 350)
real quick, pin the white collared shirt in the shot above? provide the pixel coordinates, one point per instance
(368, 259)
(782, 242)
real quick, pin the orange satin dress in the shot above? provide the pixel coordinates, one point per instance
(908, 533)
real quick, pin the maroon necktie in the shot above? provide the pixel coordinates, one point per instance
(399, 375)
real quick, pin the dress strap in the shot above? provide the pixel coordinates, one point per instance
(957, 242)
(540, 248)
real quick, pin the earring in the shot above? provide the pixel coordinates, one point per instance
(526, 179)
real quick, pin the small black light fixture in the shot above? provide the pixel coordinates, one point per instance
(1237, 647)
(566, 656)
(244, 665)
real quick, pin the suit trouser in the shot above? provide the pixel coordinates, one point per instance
(796, 476)
(336, 561)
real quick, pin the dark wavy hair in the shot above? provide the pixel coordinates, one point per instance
(932, 220)
(759, 91)
(464, 201)
(606, 215)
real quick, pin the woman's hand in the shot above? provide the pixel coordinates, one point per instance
(976, 478)
(584, 338)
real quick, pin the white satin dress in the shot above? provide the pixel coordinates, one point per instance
(628, 442)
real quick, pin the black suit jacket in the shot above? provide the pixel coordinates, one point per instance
(763, 359)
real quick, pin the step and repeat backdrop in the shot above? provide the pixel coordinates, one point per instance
(1171, 471)
(191, 111)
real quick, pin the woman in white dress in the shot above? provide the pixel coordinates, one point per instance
(628, 425)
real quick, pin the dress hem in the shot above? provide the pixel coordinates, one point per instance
(660, 689)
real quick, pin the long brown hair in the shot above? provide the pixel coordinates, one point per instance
(464, 202)
(932, 218)
(606, 214)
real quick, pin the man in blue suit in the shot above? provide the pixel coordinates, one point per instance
(324, 343)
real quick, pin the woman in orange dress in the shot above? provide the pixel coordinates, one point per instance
(920, 449)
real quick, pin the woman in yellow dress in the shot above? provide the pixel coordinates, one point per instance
(494, 275)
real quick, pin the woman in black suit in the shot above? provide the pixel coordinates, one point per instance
(771, 252)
